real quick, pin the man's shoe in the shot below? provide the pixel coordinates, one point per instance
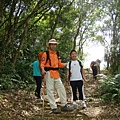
(83, 105)
(56, 111)
(74, 106)
(66, 108)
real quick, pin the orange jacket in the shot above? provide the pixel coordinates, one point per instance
(55, 63)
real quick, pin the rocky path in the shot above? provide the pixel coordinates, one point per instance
(22, 105)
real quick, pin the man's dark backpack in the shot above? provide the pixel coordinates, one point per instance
(70, 68)
(48, 58)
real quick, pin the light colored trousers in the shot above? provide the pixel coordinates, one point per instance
(51, 85)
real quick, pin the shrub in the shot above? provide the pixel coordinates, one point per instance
(109, 90)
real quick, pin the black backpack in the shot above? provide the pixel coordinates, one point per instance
(70, 68)
(48, 58)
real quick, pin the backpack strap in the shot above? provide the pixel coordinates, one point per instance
(69, 69)
(58, 54)
(80, 63)
(81, 67)
(47, 57)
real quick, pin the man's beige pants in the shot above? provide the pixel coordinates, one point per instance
(51, 85)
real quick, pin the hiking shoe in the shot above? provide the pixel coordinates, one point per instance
(74, 106)
(41, 99)
(83, 104)
(56, 111)
(38, 96)
(66, 108)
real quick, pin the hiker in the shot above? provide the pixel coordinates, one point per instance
(53, 80)
(76, 77)
(98, 65)
(94, 68)
(38, 78)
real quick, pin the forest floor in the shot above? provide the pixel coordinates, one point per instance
(22, 105)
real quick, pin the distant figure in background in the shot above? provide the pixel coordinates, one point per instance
(94, 68)
(38, 77)
(98, 65)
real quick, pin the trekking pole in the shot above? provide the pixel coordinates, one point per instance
(43, 103)
(67, 90)
(43, 91)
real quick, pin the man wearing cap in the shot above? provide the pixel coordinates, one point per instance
(53, 80)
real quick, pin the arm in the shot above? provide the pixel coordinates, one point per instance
(31, 66)
(42, 64)
(91, 65)
(83, 73)
(60, 64)
(44, 81)
(43, 71)
(68, 73)
(68, 79)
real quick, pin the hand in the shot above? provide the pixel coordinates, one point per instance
(68, 81)
(84, 80)
(65, 64)
(43, 72)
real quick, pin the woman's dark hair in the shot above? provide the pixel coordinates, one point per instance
(73, 51)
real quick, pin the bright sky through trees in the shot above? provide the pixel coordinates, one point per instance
(94, 53)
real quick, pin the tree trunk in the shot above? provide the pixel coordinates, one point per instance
(21, 44)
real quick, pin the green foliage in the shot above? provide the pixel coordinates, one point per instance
(9, 82)
(25, 29)
(110, 89)
(18, 78)
(91, 99)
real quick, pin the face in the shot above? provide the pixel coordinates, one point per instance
(52, 47)
(73, 56)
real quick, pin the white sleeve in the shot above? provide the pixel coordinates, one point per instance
(68, 65)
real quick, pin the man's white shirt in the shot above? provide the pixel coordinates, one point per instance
(75, 70)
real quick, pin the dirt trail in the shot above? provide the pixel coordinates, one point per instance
(22, 105)
(96, 110)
